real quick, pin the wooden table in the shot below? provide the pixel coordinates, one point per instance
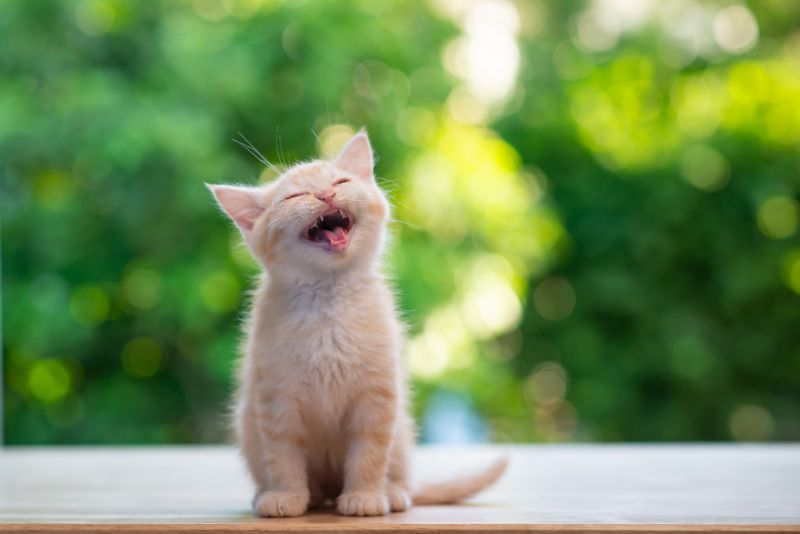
(549, 488)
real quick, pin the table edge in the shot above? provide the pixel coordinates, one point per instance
(496, 528)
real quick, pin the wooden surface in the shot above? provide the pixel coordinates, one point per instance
(558, 488)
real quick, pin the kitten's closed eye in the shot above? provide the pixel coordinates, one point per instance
(341, 181)
(295, 195)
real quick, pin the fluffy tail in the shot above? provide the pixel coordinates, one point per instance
(458, 489)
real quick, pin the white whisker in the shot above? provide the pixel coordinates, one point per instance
(247, 145)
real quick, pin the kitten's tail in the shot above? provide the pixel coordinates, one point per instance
(458, 489)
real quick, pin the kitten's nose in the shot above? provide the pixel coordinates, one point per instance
(326, 197)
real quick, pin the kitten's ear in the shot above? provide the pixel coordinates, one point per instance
(239, 203)
(356, 157)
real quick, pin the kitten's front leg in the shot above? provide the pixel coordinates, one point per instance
(284, 460)
(370, 428)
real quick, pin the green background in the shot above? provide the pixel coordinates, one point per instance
(596, 207)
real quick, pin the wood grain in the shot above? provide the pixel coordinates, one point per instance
(556, 488)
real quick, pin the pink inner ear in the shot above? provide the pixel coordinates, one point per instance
(356, 157)
(239, 203)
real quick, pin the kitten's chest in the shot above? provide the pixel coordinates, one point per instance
(329, 344)
(327, 362)
(331, 325)
(338, 347)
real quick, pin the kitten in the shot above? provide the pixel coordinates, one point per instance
(322, 401)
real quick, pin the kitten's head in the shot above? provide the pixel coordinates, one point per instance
(318, 217)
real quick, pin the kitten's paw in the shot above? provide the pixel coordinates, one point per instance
(362, 503)
(398, 498)
(280, 504)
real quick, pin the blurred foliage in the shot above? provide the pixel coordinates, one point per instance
(596, 204)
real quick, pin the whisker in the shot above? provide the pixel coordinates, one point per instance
(390, 188)
(328, 111)
(410, 225)
(247, 145)
(279, 146)
(318, 139)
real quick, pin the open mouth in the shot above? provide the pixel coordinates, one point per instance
(331, 230)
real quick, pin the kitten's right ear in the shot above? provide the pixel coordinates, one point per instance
(239, 203)
(356, 157)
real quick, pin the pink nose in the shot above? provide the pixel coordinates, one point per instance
(326, 197)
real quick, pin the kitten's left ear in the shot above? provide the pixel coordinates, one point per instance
(239, 203)
(356, 157)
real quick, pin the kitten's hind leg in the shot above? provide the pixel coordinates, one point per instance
(399, 498)
(316, 495)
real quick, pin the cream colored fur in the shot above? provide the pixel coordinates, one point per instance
(322, 402)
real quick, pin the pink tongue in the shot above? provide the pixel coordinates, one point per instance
(337, 238)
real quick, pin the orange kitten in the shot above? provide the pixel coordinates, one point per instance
(322, 403)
